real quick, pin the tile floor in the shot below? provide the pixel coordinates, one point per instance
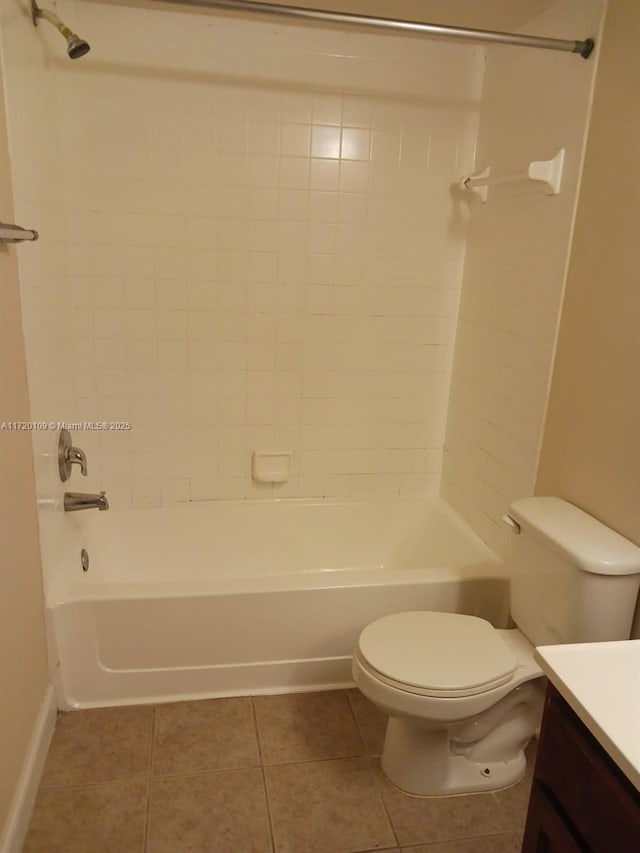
(292, 774)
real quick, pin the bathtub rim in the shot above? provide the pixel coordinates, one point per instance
(490, 570)
(78, 586)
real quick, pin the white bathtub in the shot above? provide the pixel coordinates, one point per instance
(232, 598)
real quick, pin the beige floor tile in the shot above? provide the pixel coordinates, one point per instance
(425, 820)
(107, 818)
(503, 843)
(99, 745)
(212, 734)
(371, 721)
(514, 801)
(325, 806)
(306, 727)
(223, 812)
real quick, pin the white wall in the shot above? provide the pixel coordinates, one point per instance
(23, 653)
(591, 448)
(534, 103)
(262, 250)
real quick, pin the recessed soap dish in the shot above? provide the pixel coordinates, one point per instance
(271, 466)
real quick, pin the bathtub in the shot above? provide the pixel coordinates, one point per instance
(247, 597)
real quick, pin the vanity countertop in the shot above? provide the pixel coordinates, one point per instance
(601, 683)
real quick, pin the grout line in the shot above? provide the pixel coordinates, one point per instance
(254, 713)
(100, 783)
(349, 757)
(235, 769)
(149, 776)
(264, 776)
(379, 791)
(464, 838)
(186, 773)
(272, 832)
(153, 741)
(357, 722)
(146, 817)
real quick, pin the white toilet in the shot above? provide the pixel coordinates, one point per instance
(464, 698)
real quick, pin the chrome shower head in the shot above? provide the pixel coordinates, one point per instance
(76, 47)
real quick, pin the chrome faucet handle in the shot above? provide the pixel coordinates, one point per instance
(68, 456)
(75, 456)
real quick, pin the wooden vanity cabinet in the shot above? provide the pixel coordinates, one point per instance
(580, 800)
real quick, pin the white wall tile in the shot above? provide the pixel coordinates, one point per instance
(266, 262)
(514, 272)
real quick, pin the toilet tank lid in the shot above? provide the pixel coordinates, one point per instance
(577, 536)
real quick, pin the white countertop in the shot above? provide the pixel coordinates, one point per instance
(601, 683)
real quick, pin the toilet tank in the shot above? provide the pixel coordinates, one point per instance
(573, 579)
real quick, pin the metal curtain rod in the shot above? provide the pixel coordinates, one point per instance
(584, 48)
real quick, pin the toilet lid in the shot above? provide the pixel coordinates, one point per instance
(437, 654)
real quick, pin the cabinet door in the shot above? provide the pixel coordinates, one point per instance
(584, 784)
(546, 831)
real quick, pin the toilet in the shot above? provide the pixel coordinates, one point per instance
(465, 698)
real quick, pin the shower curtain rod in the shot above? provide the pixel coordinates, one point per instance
(584, 47)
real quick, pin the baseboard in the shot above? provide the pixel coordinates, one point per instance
(15, 831)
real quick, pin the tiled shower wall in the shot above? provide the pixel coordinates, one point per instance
(534, 103)
(263, 250)
(40, 202)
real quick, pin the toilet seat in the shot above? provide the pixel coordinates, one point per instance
(436, 654)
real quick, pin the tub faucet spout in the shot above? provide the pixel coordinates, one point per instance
(73, 501)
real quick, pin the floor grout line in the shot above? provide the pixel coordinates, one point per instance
(146, 817)
(216, 770)
(149, 777)
(355, 719)
(448, 843)
(272, 830)
(115, 781)
(153, 741)
(254, 712)
(380, 793)
(264, 777)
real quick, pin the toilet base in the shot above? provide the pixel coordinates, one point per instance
(420, 762)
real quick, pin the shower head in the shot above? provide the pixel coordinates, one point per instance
(76, 47)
